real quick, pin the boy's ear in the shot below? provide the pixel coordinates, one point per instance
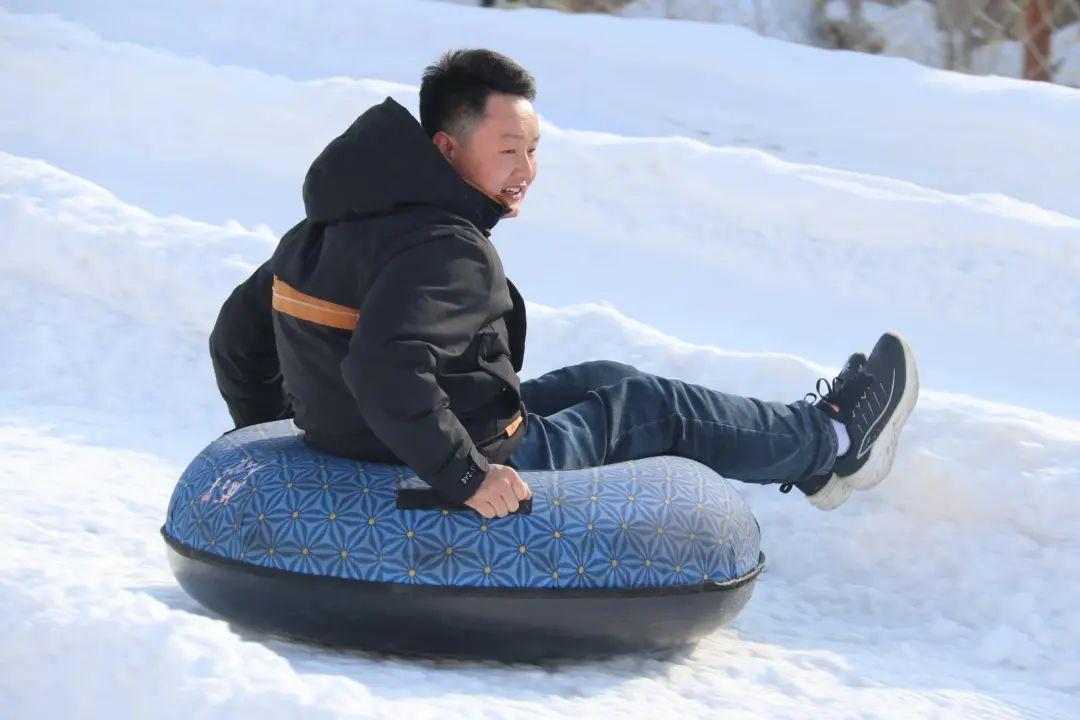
(445, 144)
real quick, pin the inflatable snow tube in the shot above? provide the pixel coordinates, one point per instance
(642, 555)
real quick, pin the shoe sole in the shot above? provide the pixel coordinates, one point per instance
(883, 452)
(833, 495)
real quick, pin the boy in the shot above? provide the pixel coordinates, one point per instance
(384, 325)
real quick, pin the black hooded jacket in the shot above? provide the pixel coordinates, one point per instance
(383, 323)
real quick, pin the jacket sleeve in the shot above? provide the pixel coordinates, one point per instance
(428, 300)
(244, 355)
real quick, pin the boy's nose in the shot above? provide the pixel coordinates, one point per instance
(527, 166)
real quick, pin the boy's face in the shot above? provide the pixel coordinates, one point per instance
(499, 156)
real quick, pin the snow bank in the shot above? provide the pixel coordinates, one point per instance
(720, 84)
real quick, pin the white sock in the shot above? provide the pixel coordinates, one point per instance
(842, 440)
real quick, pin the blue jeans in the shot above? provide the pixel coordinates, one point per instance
(603, 412)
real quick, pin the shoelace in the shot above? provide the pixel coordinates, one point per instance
(851, 385)
(844, 391)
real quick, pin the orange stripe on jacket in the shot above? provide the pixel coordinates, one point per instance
(290, 301)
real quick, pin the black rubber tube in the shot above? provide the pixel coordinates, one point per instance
(507, 624)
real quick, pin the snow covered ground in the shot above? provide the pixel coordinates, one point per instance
(907, 29)
(739, 212)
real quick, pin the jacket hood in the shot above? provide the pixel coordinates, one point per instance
(385, 162)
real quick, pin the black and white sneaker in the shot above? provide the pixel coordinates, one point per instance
(827, 491)
(873, 402)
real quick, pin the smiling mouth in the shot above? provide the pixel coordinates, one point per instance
(512, 194)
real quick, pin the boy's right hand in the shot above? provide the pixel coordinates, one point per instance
(500, 492)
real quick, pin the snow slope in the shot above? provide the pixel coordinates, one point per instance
(720, 84)
(951, 590)
(907, 29)
(910, 29)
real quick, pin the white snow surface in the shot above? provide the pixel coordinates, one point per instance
(738, 212)
(907, 29)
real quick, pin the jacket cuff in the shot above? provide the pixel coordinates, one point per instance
(459, 480)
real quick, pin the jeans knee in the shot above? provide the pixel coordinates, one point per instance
(645, 390)
(612, 368)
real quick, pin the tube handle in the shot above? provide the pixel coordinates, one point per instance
(428, 499)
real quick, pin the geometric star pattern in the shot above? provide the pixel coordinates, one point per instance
(259, 495)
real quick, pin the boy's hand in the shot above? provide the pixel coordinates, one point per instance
(500, 492)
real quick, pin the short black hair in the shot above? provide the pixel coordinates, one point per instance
(455, 89)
